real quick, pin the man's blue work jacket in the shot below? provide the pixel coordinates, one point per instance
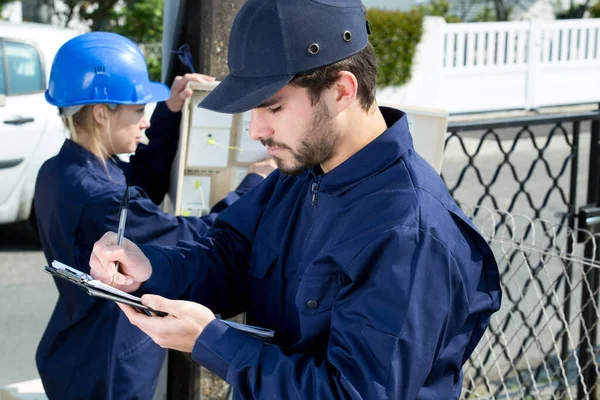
(376, 283)
(89, 350)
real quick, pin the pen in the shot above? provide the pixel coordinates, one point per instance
(121, 230)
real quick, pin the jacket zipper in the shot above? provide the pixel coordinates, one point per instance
(314, 187)
(315, 194)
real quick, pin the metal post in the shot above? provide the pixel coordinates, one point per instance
(533, 61)
(183, 377)
(589, 219)
(564, 352)
(594, 168)
(205, 28)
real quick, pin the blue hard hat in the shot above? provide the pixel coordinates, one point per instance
(101, 67)
(272, 41)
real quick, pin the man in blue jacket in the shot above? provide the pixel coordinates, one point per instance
(376, 283)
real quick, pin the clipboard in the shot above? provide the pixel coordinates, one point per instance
(101, 290)
(98, 289)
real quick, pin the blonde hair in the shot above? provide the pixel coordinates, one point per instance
(82, 125)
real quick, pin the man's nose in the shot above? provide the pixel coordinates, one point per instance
(259, 128)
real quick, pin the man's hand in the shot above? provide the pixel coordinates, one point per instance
(134, 268)
(263, 168)
(179, 330)
(180, 91)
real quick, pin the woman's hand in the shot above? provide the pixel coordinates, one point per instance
(180, 92)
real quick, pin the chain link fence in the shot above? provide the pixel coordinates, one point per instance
(542, 344)
(533, 347)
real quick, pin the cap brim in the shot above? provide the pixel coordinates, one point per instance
(236, 95)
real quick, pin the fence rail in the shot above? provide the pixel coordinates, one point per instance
(487, 66)
(480, 45)
(477, 46)
(528, 165)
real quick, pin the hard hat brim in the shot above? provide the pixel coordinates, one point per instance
(154, 92)
(158, 92)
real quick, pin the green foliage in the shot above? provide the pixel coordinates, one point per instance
(3, 2)
(154, 61)
(438, 8)
(487, 14)
(141, 21)
(575, 11)
(395, 36)
(97, 13)
(595, 10)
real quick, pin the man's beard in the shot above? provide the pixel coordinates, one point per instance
(316, 147)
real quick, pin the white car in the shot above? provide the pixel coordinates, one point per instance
(30, 129)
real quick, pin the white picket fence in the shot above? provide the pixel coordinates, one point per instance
(470, 67)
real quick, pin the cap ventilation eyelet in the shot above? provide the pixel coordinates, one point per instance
(313, 48)
(347, 36)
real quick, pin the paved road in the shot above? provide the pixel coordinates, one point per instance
(27, 295)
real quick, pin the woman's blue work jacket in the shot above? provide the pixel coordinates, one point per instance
(89, 350)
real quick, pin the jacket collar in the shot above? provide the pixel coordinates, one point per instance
(376, 156)
(84, 158)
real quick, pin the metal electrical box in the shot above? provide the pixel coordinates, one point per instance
(215, 150)
(213, 156)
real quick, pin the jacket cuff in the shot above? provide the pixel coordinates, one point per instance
(163, 121)
(217, 346)
(160, 280)
(162, 110)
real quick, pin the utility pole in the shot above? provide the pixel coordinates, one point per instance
(203, 25)
(216, 18)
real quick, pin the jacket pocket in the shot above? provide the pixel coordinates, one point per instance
(265, 301)
(382, 346)
(262, 258)
(317, 293)
(136, 371)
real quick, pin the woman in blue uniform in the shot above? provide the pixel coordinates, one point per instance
(100, 83)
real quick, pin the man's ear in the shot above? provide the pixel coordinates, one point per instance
(100, 114)
(345, 90)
